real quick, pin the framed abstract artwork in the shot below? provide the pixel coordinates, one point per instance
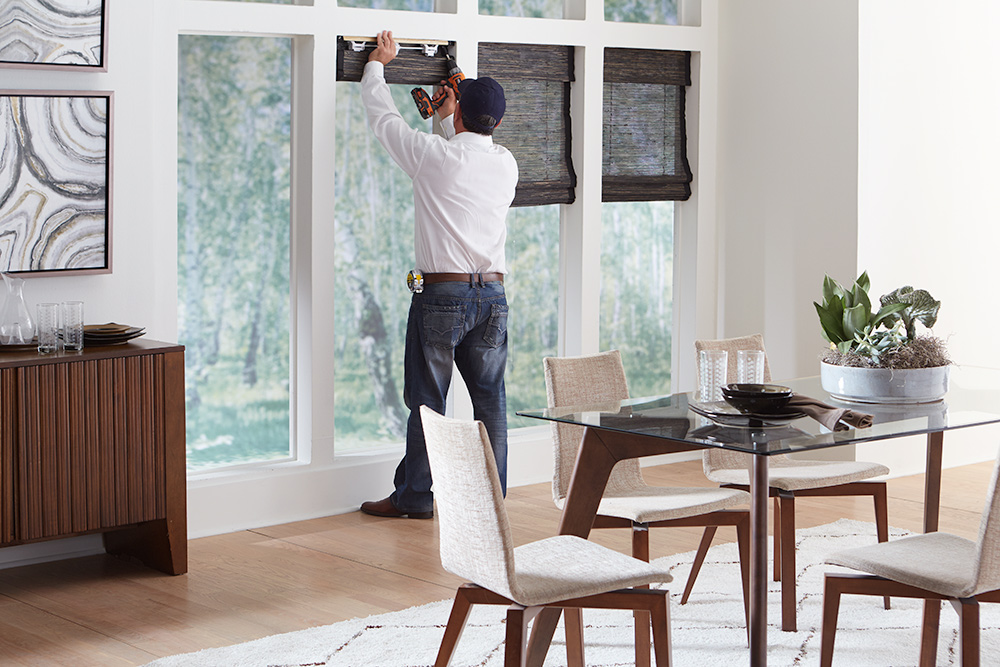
(55, 181)
(54, 34)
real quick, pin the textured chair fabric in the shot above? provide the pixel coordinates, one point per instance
(475, 533)
(942, 563)
(597, 379)
(932, 566)
(786, 473)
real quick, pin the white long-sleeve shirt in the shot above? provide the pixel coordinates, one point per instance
(462, 185)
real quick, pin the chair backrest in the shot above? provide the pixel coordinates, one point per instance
(719, 459)
(474, 530)
(988, 558)
(586, 380)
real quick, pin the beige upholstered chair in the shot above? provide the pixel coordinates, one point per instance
(563, 571)
(790, 478)
(933, 566)
(628, 502)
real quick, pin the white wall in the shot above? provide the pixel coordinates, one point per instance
(787, 156)
(142, 288)
(929, 155)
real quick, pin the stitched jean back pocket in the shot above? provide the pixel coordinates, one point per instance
(496, 328)
(443, 325)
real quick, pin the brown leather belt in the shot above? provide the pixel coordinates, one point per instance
(471, 278)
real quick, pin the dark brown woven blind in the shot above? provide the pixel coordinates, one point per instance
(410, 66)
(645, 139)
(536, 125)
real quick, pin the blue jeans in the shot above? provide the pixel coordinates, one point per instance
(465, 324)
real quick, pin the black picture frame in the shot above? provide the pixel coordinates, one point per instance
(56, 164)
(70, 35)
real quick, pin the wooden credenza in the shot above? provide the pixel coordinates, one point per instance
(93, 441)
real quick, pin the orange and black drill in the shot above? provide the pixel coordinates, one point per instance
(427, 106)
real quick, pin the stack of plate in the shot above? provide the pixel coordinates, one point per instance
(109, 334)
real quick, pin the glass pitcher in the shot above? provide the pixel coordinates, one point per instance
(16, 325)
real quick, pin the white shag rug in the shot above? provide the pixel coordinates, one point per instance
(708, 631)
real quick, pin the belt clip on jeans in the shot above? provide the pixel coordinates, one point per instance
(415, 281)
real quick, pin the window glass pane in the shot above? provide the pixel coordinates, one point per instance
(374, 250)
(549, 9)
(405, 5)
(637, 256)
(532, 286)
(272, 2)
(641, 11)
(234, 124)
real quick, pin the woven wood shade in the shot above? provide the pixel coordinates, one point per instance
(645, 139)
(536, 125)
(410, 66)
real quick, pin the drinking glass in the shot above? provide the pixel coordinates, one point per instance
(72, 325)
(48, 327)
(750, 366)
(712, 371)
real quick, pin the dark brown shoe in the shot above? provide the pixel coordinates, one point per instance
(385, 507)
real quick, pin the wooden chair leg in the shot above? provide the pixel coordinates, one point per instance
(776, 557)
(882, 521)
(453, 631)
(831, 607)
(787, 530)
(929, 633)
(573, 618)
(640, 550)
(517, 635)
(968, 613)
(699, 558)
(661, 632)
(743, 544)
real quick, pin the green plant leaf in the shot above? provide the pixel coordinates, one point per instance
(864, 282)
(832, 289)
(887, 314)
(855, 320)
(830, 320)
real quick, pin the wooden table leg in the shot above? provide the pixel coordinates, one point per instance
(932, 511)
(758, 561)
(590, 475)
(932, 481)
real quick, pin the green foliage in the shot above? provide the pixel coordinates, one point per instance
(552, 9)
(641, 11)
(234, 129)
(848, 323)
(637, 291)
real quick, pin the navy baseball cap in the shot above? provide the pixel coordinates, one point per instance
(481, 97)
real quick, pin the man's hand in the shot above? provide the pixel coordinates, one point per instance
(385, 48)
(446, 95)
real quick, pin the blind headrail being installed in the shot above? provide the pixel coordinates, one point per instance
(420, 62)
(645, 137)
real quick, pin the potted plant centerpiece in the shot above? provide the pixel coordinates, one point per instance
(878, 356)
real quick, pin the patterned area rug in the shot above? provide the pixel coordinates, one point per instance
(709, 630)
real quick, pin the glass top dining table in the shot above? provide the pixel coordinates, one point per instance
(677, 423)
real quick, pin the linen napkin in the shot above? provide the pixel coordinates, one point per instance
(835, 419)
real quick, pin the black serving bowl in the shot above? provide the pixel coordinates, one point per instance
(758, 399)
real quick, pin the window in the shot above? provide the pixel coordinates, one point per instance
(536, 125)
(374, 236)
(645, 141)
(234, 128)
(532, 287)
(637, 256)
(645, 169)
(644, 11)
(549, 9)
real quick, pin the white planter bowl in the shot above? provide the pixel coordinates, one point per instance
(884, 385)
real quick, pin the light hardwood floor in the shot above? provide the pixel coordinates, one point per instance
(104, 611)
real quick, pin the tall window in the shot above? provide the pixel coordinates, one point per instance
(637, 258)
(374, 236)
(532, 287)
(234, 128)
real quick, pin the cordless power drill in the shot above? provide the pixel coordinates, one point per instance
(427, 106)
